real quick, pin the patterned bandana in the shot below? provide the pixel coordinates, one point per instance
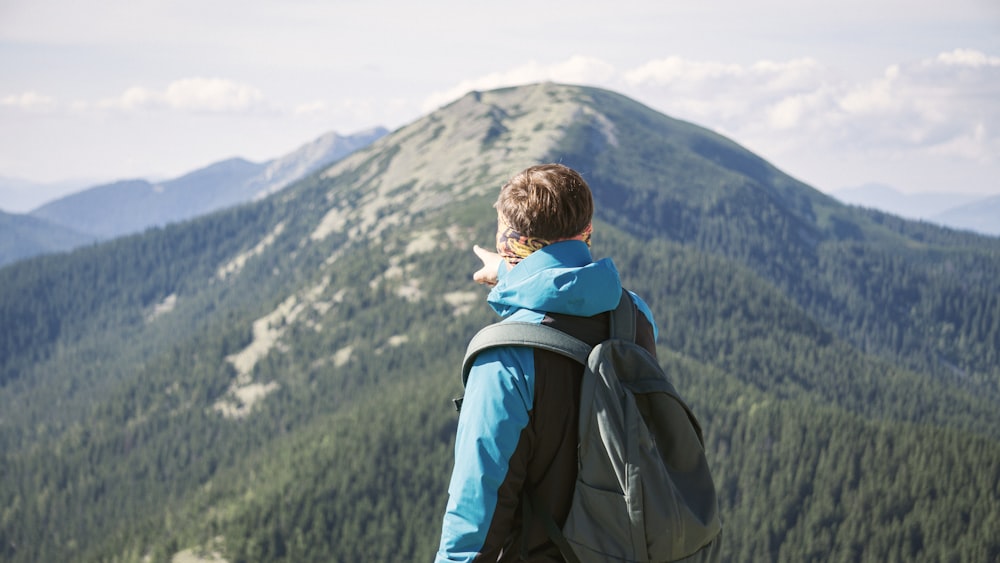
(514, 247)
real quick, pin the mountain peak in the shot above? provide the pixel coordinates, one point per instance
(507, 130)
(310, 157)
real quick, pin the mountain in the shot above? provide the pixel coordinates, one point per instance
(968, 212)
(272, 382)
(25, 236)
(18, 195)
(306, 159)
(131, 206)
(911, 206)
(981, 216)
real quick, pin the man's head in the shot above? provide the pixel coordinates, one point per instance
(547, 201)
(541, 205)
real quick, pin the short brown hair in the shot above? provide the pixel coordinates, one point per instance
(547, 201)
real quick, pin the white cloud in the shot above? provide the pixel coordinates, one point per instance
(575, 70)
(765, 75)
(870, 98)
(30, 101)
(967, 57)
(728, 96)
(213, 95)
(941, 105)
(197, 95)
(790, 112)
(945, 104)
(134, 98)
(679, 72)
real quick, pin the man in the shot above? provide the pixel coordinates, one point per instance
(518, 427)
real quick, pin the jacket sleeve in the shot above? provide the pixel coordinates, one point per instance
(644, 308)
(499, 395)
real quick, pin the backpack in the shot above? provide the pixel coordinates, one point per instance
(644, 491)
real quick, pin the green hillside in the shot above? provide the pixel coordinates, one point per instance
(273, 382)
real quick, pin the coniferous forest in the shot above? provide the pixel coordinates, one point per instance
(273, 382)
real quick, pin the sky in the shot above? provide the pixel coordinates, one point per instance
(904, 93)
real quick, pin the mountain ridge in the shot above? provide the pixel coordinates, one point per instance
(129, 206)
(220, 184)
(20, 195)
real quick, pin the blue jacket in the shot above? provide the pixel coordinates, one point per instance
(502, 443)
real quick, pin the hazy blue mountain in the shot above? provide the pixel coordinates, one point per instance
(18, 195)
(273, 381)
(981, 216)
(957, 210)
(22, 236)
(131, 206)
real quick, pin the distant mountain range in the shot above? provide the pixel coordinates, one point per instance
(968, 212)
(982, 216)
(129, 206)
(19, 196)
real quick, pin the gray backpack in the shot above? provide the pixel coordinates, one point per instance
(644, 491)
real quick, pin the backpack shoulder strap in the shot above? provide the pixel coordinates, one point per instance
(524, 334)
(548, 338)
(623, 318)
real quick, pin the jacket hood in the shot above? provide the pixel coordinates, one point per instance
(558, 278)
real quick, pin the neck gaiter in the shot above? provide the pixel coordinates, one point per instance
(514, 247)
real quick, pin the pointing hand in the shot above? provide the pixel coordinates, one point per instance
(486, 275)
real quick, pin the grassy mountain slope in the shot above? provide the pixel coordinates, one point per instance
(274, 381)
